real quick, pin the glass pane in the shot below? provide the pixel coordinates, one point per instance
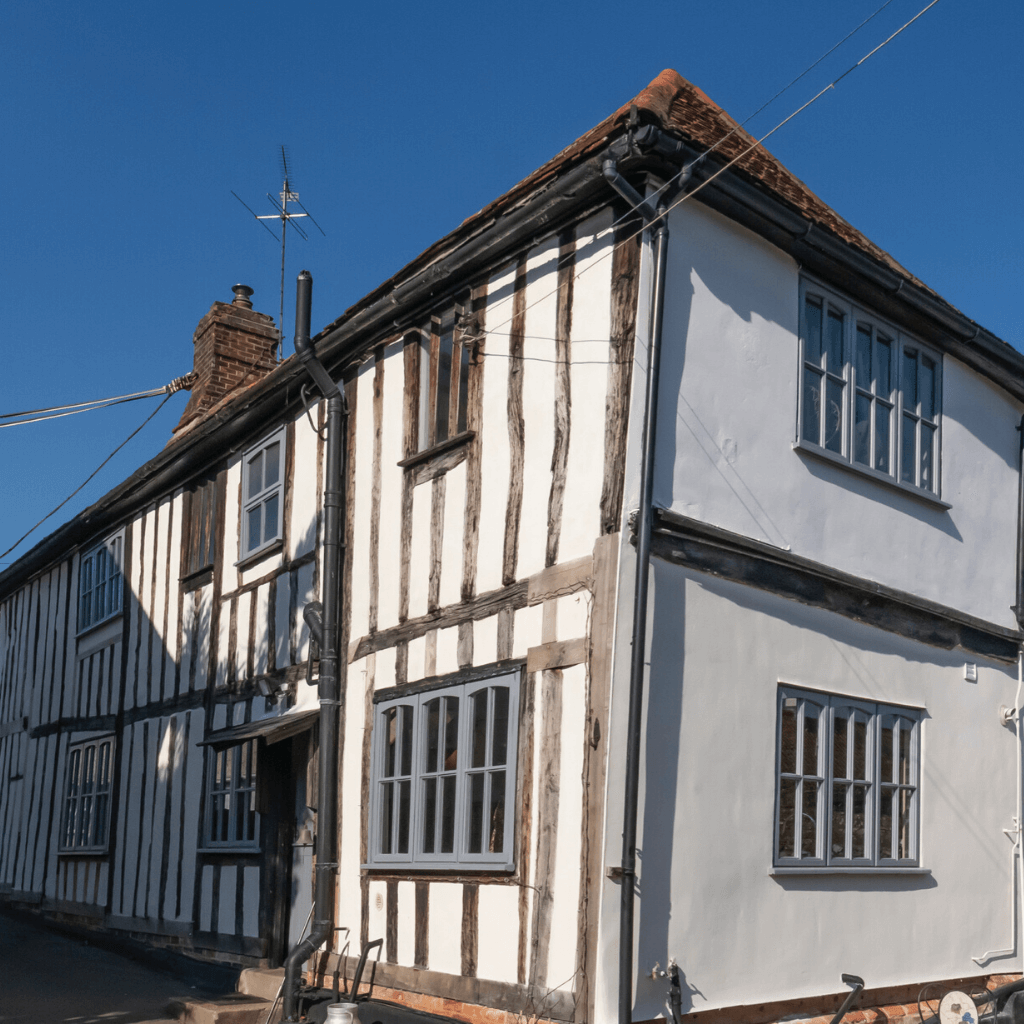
(862, 431)
(496, 818)
(927, 388)
(270, 507)
(451, 734)
(927, 448)
(433, 727)
(858, 830)
(909, 381)
(476, 813)
(429, 814)
(478, 751)
(463, 388)
(787, 759)
(809, 826)
(904, 834)
(787, 817)
(839, 729)
(904, 754)
(839, 820)
(444, 383)
(250, 818)
(387, 813)
(883, 364)
(272, 465)
(863, 356)
(835, 341)
(255, 475)
(390, 741)
(811, 411)
(404, 803)
(909, 449)
(883, 415)
(810, 740)
(100, 837)
(499, 741)
(887, 743)
(812, 329)
(885, 825)
(406, 744)
(255, 517)
(833, 415)
(860, 748)
(448, 814)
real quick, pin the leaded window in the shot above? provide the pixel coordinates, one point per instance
(231, 818)
(262, 494)
(100, 583)
(85, 821)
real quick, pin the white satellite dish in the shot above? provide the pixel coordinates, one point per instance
(957, 1008)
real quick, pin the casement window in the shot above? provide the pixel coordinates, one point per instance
(100, 583)
(443, 777)
(200, 547)
(847, 776)
(441, 359)
(262, 494)
(869, 394)
(85, 822)
(231, 818)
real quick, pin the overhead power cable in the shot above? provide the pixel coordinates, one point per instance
(90, 476)
(707, 181)
(55, 412)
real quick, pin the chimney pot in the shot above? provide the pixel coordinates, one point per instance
(242, 293)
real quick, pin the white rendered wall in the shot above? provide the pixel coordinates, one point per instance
(727, 421)
(740, 935)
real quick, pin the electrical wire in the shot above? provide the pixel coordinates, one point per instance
(59, 411)
(707, 181)
(88, 478)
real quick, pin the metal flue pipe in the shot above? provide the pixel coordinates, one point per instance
(329, 686)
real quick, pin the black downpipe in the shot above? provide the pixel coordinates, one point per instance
(644, 527)
(329, 688)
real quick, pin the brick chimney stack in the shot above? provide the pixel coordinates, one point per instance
(234, 347)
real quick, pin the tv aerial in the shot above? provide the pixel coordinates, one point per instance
(284, 215)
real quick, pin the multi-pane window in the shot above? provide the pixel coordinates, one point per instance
(85, 821)
(231, 818)
(201, 526)
(99, 582)
(444, 350)
(443, 776)
(868, 394)
(262, 497)
(846, 782)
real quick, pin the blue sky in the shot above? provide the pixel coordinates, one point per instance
(127, 125)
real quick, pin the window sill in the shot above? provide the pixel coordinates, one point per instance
(234, 851)
(254, 556)
(195, 580)
(865, 870)
(456, 441)
(450, 872)
(92, 851)
(806, 448)
(96, 632)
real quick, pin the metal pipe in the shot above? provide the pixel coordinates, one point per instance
(329, 686)
(644, 526)
(848, 1002)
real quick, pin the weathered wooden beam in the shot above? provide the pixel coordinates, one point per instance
(562, 579)
(558, 654)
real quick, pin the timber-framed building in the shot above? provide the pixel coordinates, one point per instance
(832, 618)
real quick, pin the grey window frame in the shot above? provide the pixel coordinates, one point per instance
(86, 808)
(93, 592)
(844, 379)
(263, 496)
(416, 775)
(823, 774)
(240, 791)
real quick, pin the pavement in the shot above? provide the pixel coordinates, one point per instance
(67, 977)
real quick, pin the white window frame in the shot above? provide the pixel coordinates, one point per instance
(85, 812)
(806, 823)
(101, 582)
(848, 395)
(231, 798)
(416, 773)
(263, 497)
